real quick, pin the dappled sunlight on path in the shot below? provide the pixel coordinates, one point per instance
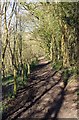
(45, 96)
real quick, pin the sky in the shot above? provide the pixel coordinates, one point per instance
(28, 27)
(34, 1)
(21, 0)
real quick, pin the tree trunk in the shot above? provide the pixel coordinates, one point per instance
(64, 52)
(28, 66)
(51, 51)
(15, 82)
(64, 45)
(23, 74)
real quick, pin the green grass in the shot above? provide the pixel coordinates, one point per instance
(57, 66)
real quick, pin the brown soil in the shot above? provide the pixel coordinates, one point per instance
(44, 97)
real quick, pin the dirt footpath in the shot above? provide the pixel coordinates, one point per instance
(44, 97)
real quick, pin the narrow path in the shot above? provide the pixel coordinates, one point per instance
(44, 97)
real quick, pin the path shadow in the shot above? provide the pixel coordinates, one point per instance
(33, 102)
(31, 97)
(41, 79)
(54, 109)
(41, 65)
